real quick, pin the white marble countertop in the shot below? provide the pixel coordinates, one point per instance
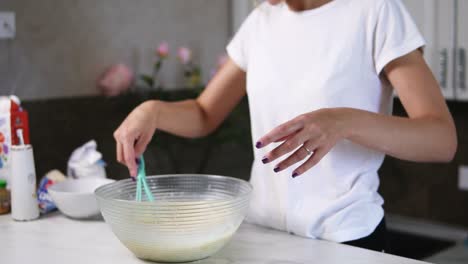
(56, 239)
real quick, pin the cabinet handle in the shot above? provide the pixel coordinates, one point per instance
(462, 69)
(443, 61)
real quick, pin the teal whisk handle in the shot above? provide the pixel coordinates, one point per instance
(142, 185)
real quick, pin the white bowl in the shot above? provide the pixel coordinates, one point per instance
(75, 198)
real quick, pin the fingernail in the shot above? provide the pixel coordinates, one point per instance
(265, 160)
(277, 169)
(133, 179)
(295, 174)
(258, 145)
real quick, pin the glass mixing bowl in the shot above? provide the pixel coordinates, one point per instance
(193, 216)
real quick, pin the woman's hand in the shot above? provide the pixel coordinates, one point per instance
(135, 133)
(308, 137)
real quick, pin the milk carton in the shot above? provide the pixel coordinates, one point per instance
(5, 137)
(13, 119)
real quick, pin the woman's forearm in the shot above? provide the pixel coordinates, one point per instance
(423, 139)
(201, 116)
(184, 118)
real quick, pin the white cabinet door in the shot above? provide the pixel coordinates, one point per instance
(460, 74)
(444, 46)
(434, 19)
(417, 9)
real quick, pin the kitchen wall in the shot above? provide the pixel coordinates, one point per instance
(240, 9)
(62, 46)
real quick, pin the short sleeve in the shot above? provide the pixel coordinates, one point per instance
(395, 34)
(238, 47)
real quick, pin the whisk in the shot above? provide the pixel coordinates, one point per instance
(142, 185)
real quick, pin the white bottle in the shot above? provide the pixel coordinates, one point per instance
(24, 205)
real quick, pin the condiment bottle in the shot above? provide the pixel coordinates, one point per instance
(4, 198)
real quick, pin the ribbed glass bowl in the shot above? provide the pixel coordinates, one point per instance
(193, 215)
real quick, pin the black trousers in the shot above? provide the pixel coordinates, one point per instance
(376, 241)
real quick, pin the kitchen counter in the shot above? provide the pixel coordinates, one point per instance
(55, 239)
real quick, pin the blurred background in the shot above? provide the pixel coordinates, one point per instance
(80, 66)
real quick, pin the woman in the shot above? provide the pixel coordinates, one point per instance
(318, 74)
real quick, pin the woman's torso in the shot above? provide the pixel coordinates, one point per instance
(298, 63)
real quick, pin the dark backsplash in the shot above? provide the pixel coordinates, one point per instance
(58, 126)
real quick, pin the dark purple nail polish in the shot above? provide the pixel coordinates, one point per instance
(277, 169)
(133, 179)
(295, 174)
(265, 160)
(258, 145)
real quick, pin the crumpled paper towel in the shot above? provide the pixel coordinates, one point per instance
(86, 162)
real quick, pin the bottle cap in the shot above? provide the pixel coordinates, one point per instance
(15, 99)
(3, 184)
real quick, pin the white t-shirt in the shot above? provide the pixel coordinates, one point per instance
(298, 62)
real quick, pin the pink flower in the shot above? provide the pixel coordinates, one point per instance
(185, 55)
(115, 80)
(163, 50)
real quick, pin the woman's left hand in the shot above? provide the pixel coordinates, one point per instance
(311, 136)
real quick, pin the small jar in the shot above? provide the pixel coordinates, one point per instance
(4, 198)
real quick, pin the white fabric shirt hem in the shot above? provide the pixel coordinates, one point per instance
(353, 233)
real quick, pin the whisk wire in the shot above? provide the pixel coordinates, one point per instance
(142, 185)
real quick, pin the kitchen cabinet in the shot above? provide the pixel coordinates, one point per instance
(444, 36)
(461, 47)
(444, 24)
(434, 19)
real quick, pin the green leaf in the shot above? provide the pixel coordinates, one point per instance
(147, 79)
(197, 70)
(158, 65)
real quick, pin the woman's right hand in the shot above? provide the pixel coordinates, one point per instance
(134, 134)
